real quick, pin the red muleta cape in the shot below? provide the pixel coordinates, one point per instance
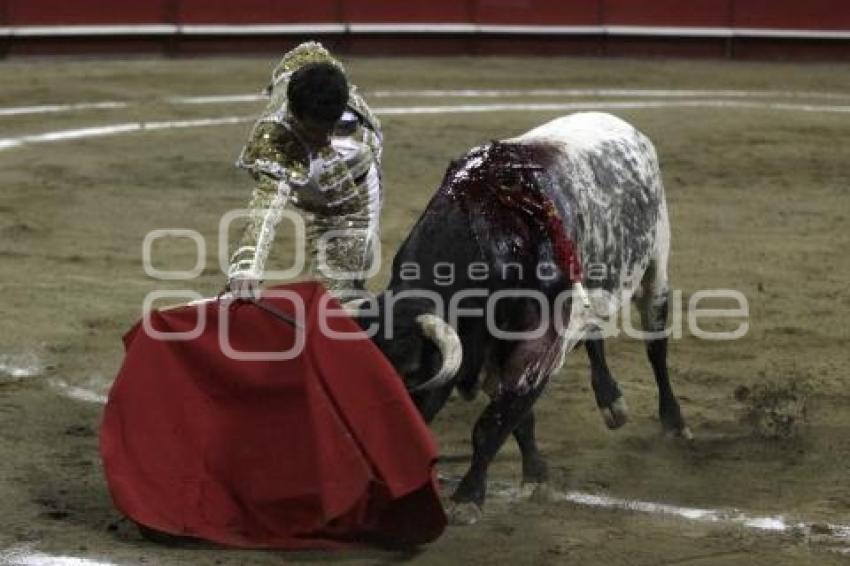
(325, 450)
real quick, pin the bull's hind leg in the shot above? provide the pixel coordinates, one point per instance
(654, 313)
(609, 398)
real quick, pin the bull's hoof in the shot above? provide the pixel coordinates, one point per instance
(683, 433)
(677, 430)
(463, 514)
(537, 492)
(616, 414)
(672, 422)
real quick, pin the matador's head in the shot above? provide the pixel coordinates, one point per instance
(303, 54)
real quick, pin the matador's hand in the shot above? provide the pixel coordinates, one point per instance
(245, 285)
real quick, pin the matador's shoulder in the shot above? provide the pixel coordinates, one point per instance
(274, 150)
(357, 103)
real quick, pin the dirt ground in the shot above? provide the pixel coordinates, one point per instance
(759, 199)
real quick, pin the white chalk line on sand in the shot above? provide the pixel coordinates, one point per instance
(452, 93)
(78, 393)
(51, 108)
(605, 93)
(115, 129)
(23, 366)
(19, 366)
(25, 556)
(823, 532)
(777, 524)
(136, 127)
(616, 105)
(831, 534)
(217, 99)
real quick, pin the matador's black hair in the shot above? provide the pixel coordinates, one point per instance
(318, 91)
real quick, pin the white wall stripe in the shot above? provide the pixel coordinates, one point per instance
(791, 33)
(369, 28)
(262, 29)
(417, 28)
(98, 30)
(494, 29)
(670, 31)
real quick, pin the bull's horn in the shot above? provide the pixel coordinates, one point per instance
(448, 342)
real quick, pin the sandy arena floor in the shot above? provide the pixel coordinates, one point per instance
(756, 160)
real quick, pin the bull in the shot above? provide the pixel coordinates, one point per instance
(524, 251)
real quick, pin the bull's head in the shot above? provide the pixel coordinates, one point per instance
(424, 349)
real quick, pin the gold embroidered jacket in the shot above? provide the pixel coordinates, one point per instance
(343, 226)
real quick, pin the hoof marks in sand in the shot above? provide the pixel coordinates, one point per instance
(537, 492)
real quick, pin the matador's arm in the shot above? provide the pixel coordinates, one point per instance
(268, 200)
(273, 160)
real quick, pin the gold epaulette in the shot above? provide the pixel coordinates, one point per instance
(273, 150)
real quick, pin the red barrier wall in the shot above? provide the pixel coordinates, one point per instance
(777, 14)
(256, 12)
(582, 26)
(801, 14)
(84, 12)
(537, 12)
(395, 11)
(697, 13)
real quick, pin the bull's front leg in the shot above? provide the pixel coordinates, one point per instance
(535, 471)
(501, 417)
(429, 403)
